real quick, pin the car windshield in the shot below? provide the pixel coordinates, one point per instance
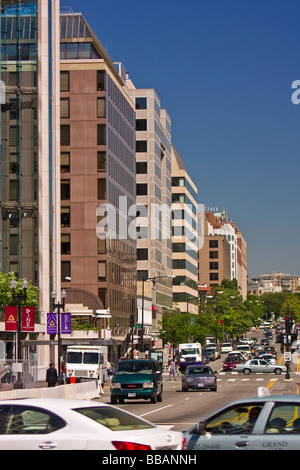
(199, 370)
(234, 420)
(134, 368)
(185, 352)
(113, 418)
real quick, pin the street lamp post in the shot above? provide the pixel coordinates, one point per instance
(18, 298)
(59, 306)
(170, 276)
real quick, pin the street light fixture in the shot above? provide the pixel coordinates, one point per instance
(170, 276)
(18, 298)
(59, 306)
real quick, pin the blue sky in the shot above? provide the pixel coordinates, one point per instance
(223, 69)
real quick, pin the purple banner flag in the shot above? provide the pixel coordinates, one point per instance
(51, 323)
(66, 323)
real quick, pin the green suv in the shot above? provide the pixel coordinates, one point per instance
(137, 379)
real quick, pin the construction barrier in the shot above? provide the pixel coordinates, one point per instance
(78, 391)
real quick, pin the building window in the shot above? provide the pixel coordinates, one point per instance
(101, 161)
(140, 103)
(13, 190)
(213, 265)
(65, 243)
(141, 168)
(13, 136)
(65, 162)
(214, 276)
(142, 254)
(65, 135)
(101, 140)
(65, 189)
(64, 108)
(65, 216)
(13, 163)
(213, 255)
(141, 146)
(65, 270)
(101, 270)
(64, 81)
(142, 275)
(213, 243)
(101, 107)
(141, 125)
(142, 189)
(101, 188)
(100, 80)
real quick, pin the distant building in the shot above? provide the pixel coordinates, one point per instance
(233, 263)
(184, 237)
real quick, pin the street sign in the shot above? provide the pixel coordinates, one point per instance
(287, 356)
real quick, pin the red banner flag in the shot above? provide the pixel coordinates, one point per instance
(27, 318)
(11, 318)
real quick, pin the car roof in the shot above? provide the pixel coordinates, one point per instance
(57, 403)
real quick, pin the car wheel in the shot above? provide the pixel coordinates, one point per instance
(277, 371)
(247, 371)
(184, 389)
(113, 401)
(160, 396)
(121, 400)
(154, 398)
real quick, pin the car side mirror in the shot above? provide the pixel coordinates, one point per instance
(200, 428)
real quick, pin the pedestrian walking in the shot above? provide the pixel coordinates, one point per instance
(51, 376)
(172, 370)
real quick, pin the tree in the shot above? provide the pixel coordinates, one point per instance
(6, 291)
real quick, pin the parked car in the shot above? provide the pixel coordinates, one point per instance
(137, 379)
(256, 423)
(64, 424)
(259, 365)
(199, 377)
(226, 348)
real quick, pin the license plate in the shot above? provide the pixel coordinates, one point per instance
(131, 394)
(200, 385)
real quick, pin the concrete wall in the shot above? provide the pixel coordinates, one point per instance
(79, 391)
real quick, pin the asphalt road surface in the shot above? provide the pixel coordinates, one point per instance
(181, 410)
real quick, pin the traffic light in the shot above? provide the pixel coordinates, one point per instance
(131, 321)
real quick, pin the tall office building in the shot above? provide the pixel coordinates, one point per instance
(97, 115)
(29, 74)
(184, 237)
(153, 199)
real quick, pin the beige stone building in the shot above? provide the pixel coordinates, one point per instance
(184, 237)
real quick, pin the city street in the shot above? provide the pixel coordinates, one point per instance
(181, 410)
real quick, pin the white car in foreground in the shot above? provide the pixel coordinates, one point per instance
(63, 424)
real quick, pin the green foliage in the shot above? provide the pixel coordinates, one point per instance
(6, 291)
(224, 311)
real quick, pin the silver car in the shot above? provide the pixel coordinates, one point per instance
(259, 365)
(256, 423)
(199, 377)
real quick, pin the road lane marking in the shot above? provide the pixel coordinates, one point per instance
(158, 409)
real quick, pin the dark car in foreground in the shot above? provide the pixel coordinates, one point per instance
(256, 423)
(135, 379)
(198, 377)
